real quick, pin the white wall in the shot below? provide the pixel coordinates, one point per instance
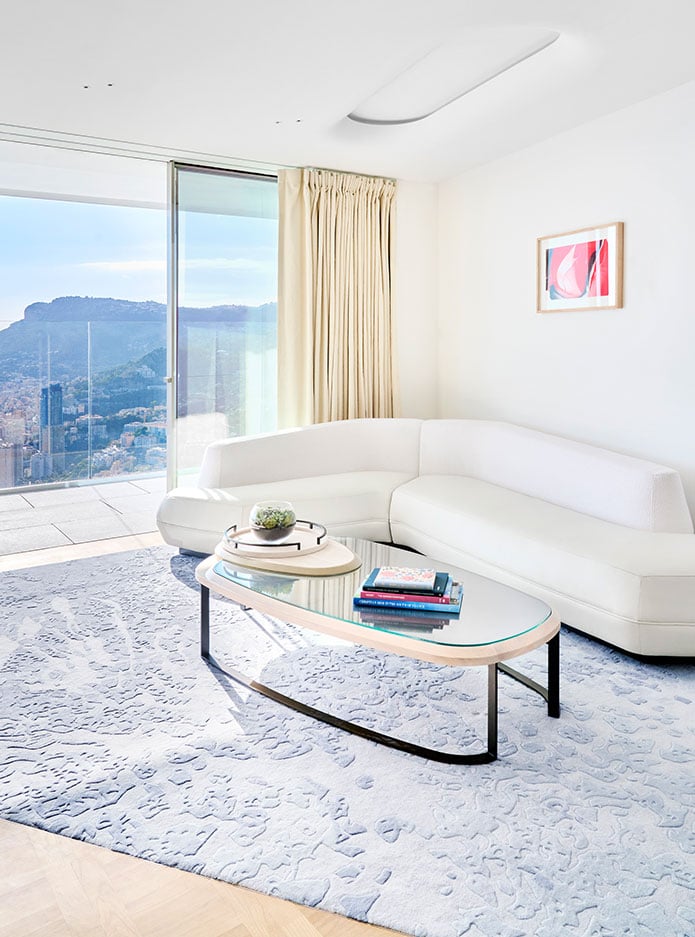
(624, 378)
(415, 297)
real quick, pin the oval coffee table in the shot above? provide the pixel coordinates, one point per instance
(496, 623)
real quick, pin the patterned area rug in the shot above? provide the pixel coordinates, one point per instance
(113, 731)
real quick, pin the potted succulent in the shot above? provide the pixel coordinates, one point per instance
(272, 520)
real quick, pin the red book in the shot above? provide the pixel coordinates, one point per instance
(443, 599)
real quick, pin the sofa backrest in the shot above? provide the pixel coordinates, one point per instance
(389, 445)
(593, 481)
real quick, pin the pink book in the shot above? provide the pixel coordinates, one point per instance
(405, 577)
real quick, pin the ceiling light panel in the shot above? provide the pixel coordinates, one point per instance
(449, 71)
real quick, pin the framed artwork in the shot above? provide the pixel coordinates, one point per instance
(581, 269)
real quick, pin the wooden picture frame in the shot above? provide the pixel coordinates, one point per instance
(580, 269)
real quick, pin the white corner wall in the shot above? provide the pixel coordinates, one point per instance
(623, 379)
(415, 297)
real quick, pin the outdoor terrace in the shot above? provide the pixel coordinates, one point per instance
(58, 517)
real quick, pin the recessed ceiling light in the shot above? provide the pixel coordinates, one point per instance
(449, 72)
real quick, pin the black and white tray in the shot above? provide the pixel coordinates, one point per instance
(306, 551)
(304, 538)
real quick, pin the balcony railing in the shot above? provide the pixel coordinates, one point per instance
(81, 400)
(85, 399)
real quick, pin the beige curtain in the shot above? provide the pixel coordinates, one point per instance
(335, 320)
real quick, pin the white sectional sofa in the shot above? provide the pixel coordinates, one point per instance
(606, 539)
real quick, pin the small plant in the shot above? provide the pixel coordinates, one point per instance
(272, 515)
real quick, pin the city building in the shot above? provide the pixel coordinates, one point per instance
(52, 427)
(40, 466)
(10, 464)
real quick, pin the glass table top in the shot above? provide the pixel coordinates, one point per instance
(490, 611)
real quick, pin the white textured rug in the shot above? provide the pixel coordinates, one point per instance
(114, 731)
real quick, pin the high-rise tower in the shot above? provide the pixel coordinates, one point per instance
(51, 426)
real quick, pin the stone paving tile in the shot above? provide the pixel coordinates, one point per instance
(55, 496)
(116, 490)
(138, 504)
(23, 520)
(118, 525)
(38, 517)
(140, 522)
(13, 503)
(76, 511)
(31, 538)
(153, 485)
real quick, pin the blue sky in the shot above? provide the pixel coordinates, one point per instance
(51, 248)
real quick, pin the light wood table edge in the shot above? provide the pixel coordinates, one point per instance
(474, 656)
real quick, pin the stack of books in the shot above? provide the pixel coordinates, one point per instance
(407, 595)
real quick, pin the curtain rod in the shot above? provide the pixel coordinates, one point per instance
(346, 172)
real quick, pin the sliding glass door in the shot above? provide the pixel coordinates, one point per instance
(223, 311)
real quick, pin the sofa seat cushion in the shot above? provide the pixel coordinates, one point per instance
(635, 574)
(353, 504)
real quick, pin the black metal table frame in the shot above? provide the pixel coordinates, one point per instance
(551, 694)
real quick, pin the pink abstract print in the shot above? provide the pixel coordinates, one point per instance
(574, 271)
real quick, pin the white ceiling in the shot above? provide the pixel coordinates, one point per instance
(216, 76)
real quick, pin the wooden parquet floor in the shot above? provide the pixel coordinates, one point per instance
(52, 886)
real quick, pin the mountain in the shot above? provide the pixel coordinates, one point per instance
(138, 383)
(60, 334)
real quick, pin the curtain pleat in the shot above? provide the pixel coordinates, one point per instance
(335, 317)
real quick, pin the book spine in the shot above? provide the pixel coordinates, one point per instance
(418, 606)
(401, 597)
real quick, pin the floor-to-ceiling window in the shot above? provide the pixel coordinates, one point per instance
(224, 304)
(83, 243)
(85, 352)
